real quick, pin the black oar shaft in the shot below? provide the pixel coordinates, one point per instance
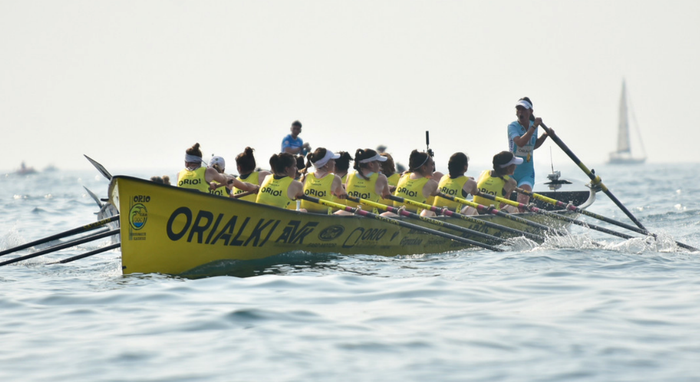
(450, 213)
(74, 231)
(69, 244)
(400, 223)
(595, 180)
(88, 254)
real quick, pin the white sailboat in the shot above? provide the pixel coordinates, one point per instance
(623, 154)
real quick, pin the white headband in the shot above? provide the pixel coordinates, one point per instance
(192, 158)
(524, 104)
(374, 158)
(322, 162)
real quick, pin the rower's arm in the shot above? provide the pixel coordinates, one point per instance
(338, 189)
(382, 186)
(541, 139)
(235, 182)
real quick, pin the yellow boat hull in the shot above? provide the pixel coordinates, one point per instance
(170, 230)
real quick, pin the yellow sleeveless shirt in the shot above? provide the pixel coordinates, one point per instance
(318, 188)
(393, 179)
(360, 187)
(273, 192)
(220, 191)
(251, 178)
(408, 188)
(452, 187)
(193, 179)
(491, 185)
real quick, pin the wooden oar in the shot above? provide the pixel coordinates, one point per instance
(71, 232)
(450, 213)
(68, 244)
(91, 253)
(570, 207)
(595, 180)
(413, 215)
(554, 215)
(491, 210)
(399, 223)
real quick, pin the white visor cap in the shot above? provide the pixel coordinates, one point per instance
(374, 158)
(515, 160)
(322, 162)
(524, 104)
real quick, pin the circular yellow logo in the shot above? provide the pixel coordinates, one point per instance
(138, 216)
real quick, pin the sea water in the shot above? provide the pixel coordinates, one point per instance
(567, 310)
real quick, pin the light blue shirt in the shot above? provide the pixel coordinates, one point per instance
(527, 168)
(290, 142)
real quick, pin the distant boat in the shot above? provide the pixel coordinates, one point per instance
(623, 154)
(50, 168)
(24, 170)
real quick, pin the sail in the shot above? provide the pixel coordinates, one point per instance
(623, 136)
(623, 153)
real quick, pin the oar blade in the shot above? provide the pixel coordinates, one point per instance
(99, 167)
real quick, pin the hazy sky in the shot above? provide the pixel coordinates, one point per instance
(134, 83)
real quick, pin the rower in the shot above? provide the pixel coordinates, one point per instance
(341, 169)
(389, 170)
(279, 189)
(342, 164)
(245, 163)
(367, 182)
(196, 177)
(498, 181)
(215, 188)
(457, 184)
(417, 183)
(322, 183)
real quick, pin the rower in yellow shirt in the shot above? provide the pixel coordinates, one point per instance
(417, 183)
(196, 177)
(457, 184)
(322, 183)
(367, 182)
(245, 163)
(279, 189)
(498, 181)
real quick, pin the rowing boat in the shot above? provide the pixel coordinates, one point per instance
(171, 230)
